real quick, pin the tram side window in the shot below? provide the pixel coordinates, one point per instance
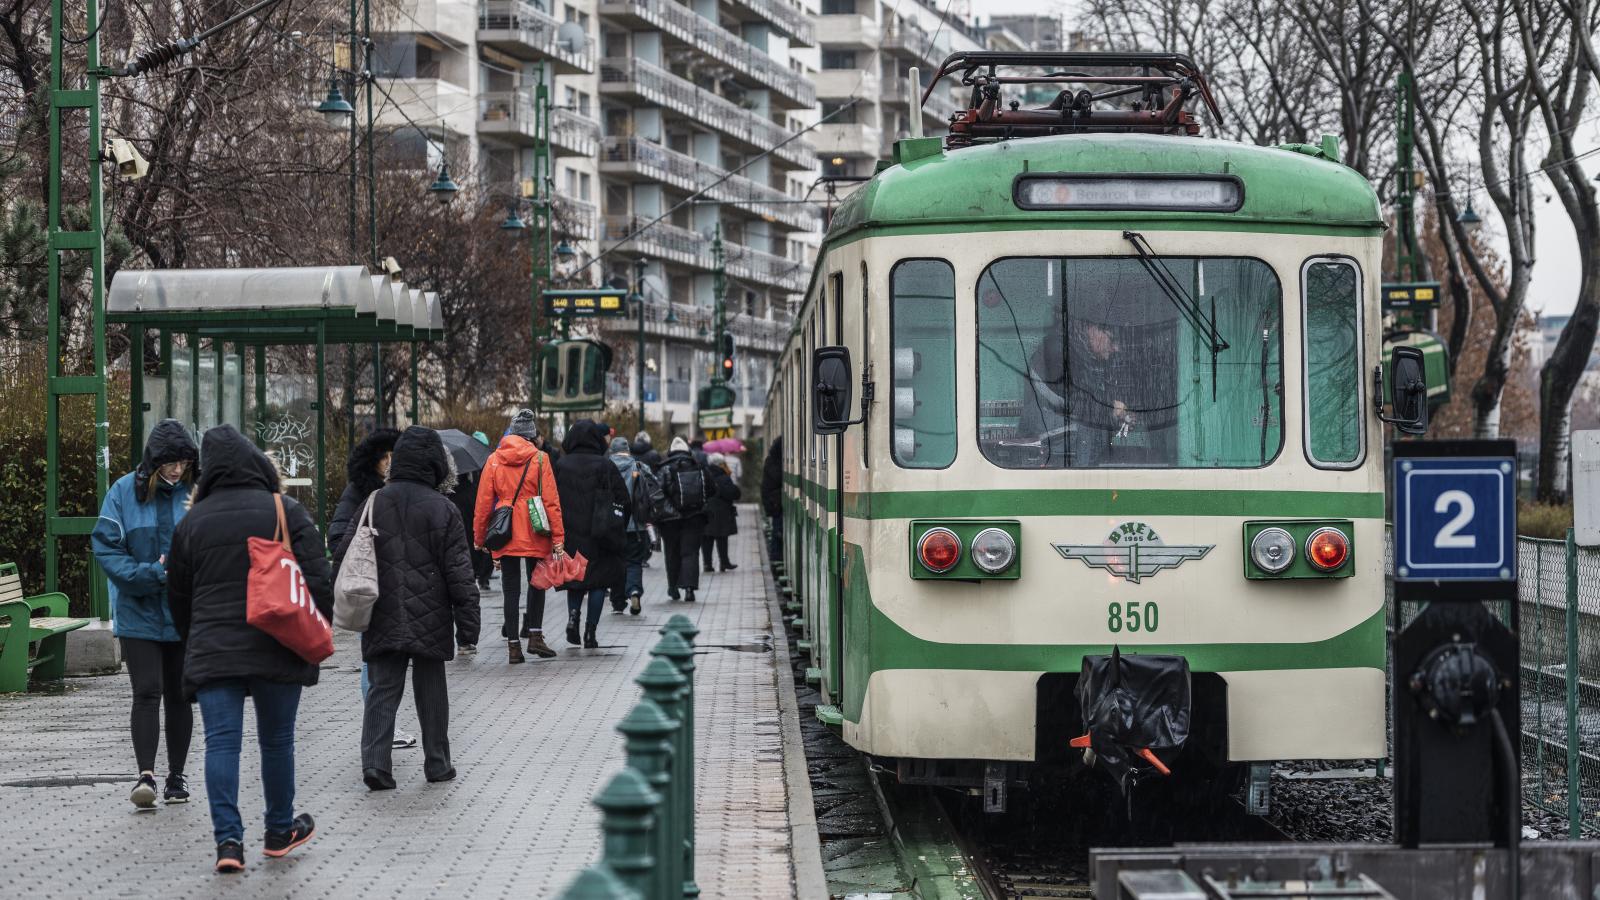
(922, 327)
(1087, 363)
(1333, 362)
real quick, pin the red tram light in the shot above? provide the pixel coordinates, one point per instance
(1327, 549)
(939, 550)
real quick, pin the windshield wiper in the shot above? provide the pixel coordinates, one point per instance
(1186, 305)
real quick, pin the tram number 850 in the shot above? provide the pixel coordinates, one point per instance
(1132, 616)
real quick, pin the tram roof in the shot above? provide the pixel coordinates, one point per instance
(971, 189)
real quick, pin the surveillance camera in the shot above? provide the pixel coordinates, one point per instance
(130, 164)
(392, 267)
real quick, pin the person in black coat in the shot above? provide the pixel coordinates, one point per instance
(644, 452)
(594, 509)
(365, 470)
(681, 533)
(772, 497)
(722, 520)
(427, 604)
(227, 658)
(465, 497)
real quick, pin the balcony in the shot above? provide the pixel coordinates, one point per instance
(523, 30)
(849, 31)
(766, 268)
(632, 156)
(639, 80)
(838, 84)
(430, 100)
(908, 40)
(683, 26)
(849, 139)
(693, 249)
(791, 21)
(683, 323)
(573, 133)
(575, 218)
(448, 21)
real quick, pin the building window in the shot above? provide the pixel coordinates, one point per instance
(833, 108)
(585, 184)
(838, 59)
(838, 7)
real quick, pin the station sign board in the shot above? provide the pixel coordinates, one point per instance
(714, 419)
(1455, 520)
(1411, 295)
(584, 304)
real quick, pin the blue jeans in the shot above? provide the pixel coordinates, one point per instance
(636, 553)
(222, 710)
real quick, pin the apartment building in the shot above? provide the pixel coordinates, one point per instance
(653, 100)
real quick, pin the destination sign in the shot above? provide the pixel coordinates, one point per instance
(1410, 294)
(582, 304)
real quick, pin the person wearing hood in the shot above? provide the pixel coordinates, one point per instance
(594, 504)
(427, 604)
(131, 541)
(637, 550)
(687, 485)
(365, 472)
(772, 497)
(722, 519)
(644, 451)
(518, 471)
(227, 658)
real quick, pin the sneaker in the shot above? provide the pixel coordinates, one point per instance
(403, 741)
(618, 605)
(177, 789)
(144, 793)
(279, 843)
(467, 649)
(672, 594)
(230, 856)
(538, 647)
(633, 604)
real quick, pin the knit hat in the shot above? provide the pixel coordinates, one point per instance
(619, 444)
(717, 459)
(643, 437)
(678, 444)
(524, 425)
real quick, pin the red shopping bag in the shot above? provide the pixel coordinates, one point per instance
(277, 600)
(551, 572)
(576, 567)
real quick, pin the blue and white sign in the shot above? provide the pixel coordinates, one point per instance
(1455, 518)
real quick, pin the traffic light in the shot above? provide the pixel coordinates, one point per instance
(727, 355)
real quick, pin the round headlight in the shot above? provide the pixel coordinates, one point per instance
(939, 550)
(993, 551)
(1327, 549)
(1272, 550)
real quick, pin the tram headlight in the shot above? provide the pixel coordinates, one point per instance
(1327, 549)
(1272, 550)
(939, 550)
(993, 551)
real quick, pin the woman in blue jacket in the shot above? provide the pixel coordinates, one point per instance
(131, 541)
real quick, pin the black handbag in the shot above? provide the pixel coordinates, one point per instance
(498, 534)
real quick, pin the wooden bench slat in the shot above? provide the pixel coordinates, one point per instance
(55, 624)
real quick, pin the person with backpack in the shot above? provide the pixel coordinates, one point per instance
(722, 520)
(643, 487)
(516, 473)
(594, 502)
(131, 541)
(228, 659)
(427, 604)
(684, 482)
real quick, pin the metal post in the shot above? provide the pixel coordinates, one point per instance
(261, 393)
(597, 883)
(219, 405)
(539, 232)
(1574, 789)
(377, 386)
(1539, 664)
(677, 648)
(322, 421)
(136, 404)
(166, 367)
(664, 686)
(626, 815)
(719, 290)
(648, 732)
(415, 398)
(193, 341)
(638, 291)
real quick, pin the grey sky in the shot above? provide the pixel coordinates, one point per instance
(1555, 275)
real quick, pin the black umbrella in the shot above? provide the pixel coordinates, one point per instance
(470, 454)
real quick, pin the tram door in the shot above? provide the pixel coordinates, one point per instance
(834, 570)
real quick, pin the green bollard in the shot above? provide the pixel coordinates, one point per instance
(664, 685)
(597, 883)
(627, 805)
(648, 734)
(682, 625)
(677, 650)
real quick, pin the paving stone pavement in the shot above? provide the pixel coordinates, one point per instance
(532, 744)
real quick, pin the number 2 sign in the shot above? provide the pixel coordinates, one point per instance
(1455, 519)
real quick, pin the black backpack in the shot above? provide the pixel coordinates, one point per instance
(686, 488)
(645, 493)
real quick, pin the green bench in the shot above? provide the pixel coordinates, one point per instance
(33, 633)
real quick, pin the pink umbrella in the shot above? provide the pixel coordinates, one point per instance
(725, 445)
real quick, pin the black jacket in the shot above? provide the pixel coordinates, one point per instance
(679, 461)
(209, 567)
(427, 595)
(722, 520)
(594, 506)
(772, 479)
(362, 472)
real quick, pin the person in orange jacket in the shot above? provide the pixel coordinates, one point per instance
(518, 460)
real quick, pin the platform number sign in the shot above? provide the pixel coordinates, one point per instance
(1455, 519)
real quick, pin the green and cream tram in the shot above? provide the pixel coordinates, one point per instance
(1108, 388)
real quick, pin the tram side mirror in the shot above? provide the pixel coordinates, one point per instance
(1408, 392)
(831, 390)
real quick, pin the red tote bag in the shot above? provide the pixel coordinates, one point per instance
(277, 600)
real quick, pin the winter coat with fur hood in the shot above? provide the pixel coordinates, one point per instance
(362, 472)
(427, 595)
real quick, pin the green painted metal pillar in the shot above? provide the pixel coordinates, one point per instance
(193, 346)
(677, 647)
(220, 401)
(597, 883)
(166, 367)
(627, 805)
(416, 401)
(1574, 786)
(136, 404)
(322, 421)
(665, 686)
(261, 394)
(539, 229)
(647, 731)
(65, 101)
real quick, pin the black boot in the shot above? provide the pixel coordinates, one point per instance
(572, 627)
(589, 641)
(688, 596)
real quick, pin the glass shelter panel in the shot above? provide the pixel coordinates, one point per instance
(922, 325)
(1088, 363)
(1333, 363)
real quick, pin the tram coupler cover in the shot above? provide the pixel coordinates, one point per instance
(1134, 706)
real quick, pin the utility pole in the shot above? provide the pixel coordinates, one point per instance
(65, 101)
(719, 310)
(540, 227)
(372, 204)
(638, 293)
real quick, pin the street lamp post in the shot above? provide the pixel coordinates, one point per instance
(638, 295)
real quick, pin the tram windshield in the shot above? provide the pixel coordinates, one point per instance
(1086, 363)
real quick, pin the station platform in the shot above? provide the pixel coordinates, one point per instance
(532, 744)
